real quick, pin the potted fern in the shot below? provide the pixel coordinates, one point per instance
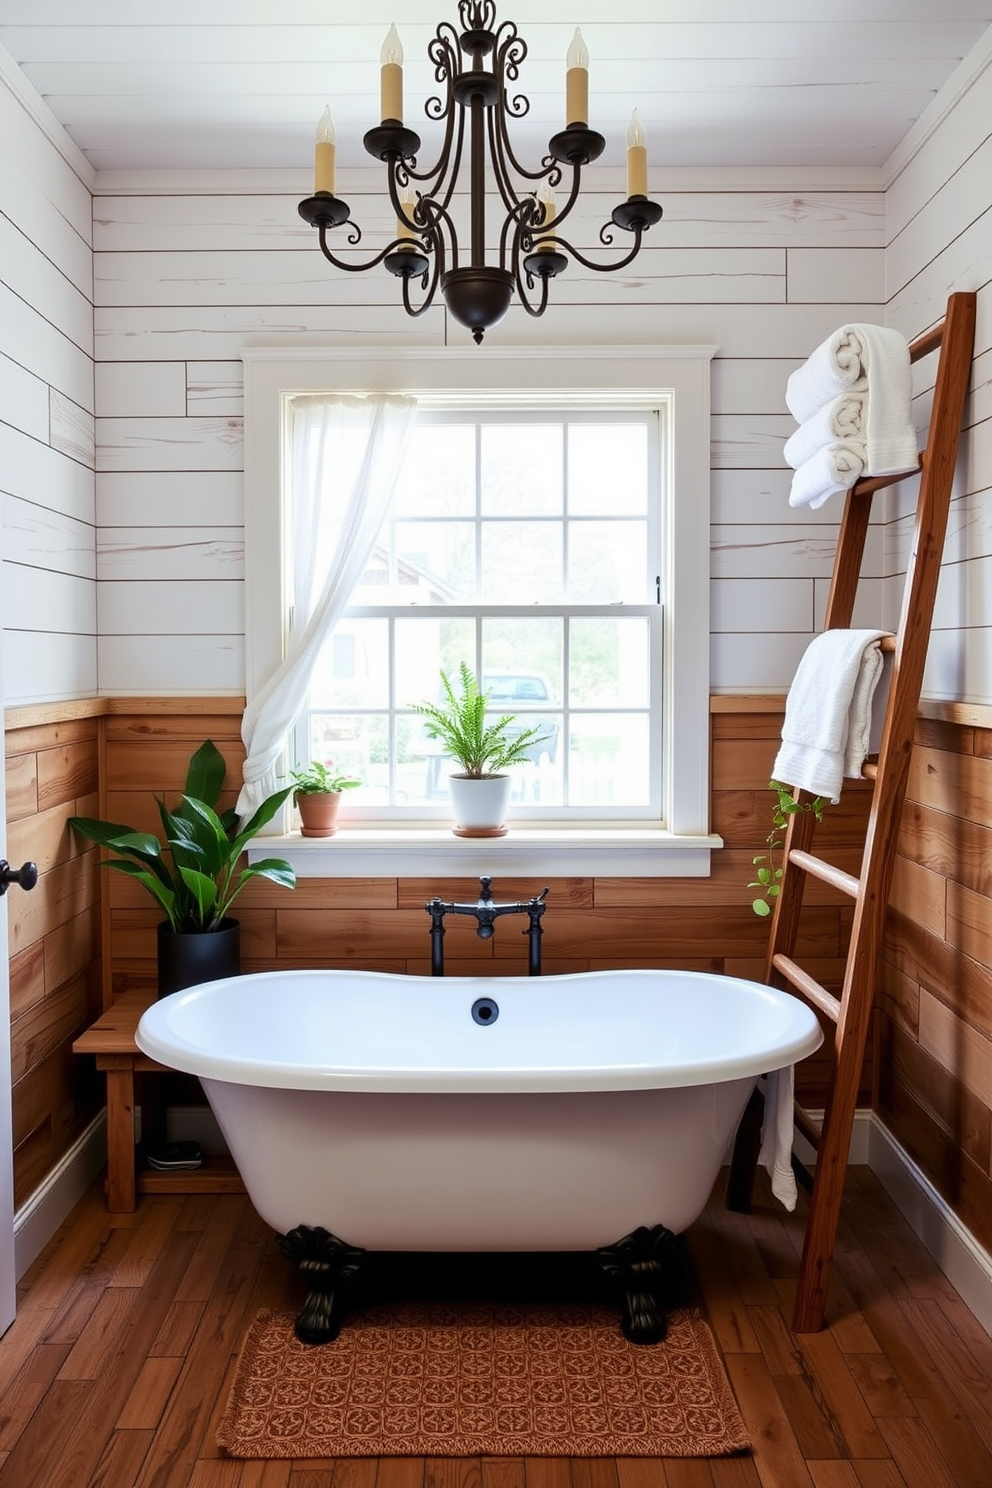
(193, 873)
(483, 747)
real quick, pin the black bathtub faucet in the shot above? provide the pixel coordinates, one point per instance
(486, 913)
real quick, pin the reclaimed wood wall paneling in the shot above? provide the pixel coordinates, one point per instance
(934, 1065)
(52, 772)
(381, 923)
(930, 1081)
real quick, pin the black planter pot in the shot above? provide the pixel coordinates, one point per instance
(186, 959)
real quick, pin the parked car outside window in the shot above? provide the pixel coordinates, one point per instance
(519, 692)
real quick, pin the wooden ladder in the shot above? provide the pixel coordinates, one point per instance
(851, 1012)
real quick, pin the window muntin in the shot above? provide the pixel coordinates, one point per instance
(515, 540)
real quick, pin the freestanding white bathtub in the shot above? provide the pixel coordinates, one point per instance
(461, 1114)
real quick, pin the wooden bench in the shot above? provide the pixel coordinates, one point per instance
(111, 1040)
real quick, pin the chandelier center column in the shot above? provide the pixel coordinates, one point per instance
(477, 176)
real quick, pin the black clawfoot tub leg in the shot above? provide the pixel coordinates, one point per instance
(637, 1265)
(329, 1267)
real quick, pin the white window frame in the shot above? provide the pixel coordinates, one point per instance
(655, 421)
(600, 377)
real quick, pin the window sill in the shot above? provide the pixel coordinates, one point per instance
(413, 852)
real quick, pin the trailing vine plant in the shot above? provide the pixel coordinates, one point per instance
(769, 864)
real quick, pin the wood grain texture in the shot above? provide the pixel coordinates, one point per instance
(590, 924)
(935, 1071)
(54, 936)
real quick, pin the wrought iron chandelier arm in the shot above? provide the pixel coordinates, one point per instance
(444, 176)
(427, 220)
(443, 52)
(600, 268)
(543, 265)
(522, 281)
(509, 52)
(504, 183)
(351, 268)
(431, 289)
(573, 194)
(512, 224)
(432, 229)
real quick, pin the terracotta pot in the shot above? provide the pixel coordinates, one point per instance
(318, 812)
(187, 958)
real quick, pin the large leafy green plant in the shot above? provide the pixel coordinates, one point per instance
(459, 722)
(193, 873)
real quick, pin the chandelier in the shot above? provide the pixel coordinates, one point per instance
(476, 71)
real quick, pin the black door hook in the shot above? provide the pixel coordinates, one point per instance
(26, 876)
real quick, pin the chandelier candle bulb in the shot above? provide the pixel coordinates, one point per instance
(637, 157)
(391, 77)
(324, 153)
(408, 202)
(577, 81)
(549, 202)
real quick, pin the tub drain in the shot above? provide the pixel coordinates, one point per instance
(485, 1011)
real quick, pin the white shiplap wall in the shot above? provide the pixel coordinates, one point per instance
(46, 413)
(183, 281)
(185, 274)
(939, 231)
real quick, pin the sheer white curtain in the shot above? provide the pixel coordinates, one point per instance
(347, 454)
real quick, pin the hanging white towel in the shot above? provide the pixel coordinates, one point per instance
(870, 358)
(842, 419)
(775, 1153)
(830, 472)
(828, 711)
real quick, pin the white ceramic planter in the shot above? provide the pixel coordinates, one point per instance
(479, 804)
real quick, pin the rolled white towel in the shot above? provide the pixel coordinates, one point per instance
(841, 419)
(856, 358)
(832, 470)
(838, 365)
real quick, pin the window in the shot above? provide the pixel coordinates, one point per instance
(527, 545)
(586, 615)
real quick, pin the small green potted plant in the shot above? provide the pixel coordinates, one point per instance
(317, 794)
(193, 873)
(483, 748)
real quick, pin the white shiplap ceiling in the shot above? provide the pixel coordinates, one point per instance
(239, 84)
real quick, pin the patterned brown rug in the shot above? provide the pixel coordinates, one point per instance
(435, 1379)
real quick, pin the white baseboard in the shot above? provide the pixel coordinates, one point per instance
(967, 1266)
(965, 1263)
(857, 1152)
(36, 1221)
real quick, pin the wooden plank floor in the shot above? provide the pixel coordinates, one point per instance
(119, 1363)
